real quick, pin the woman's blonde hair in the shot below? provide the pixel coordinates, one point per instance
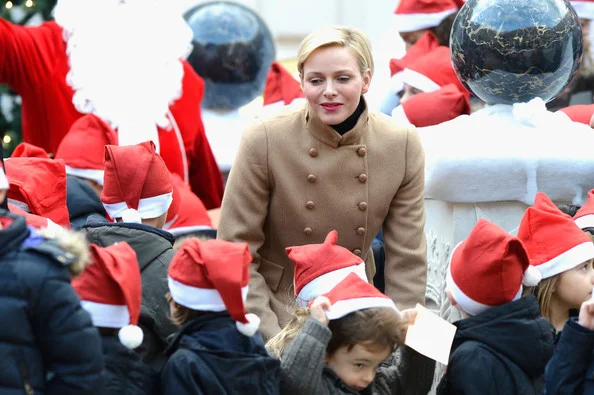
(373, 326)
(339, 36)
(544, 292)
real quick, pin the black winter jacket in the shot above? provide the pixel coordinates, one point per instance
(125, 373)
(503, 350)
(154, 251)
(210, 356)
(48, 344)
(82, 202)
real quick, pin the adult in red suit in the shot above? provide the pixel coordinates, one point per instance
(34, 63)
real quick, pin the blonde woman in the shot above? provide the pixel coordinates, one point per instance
(328, 164)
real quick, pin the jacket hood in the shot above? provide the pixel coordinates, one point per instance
(148, 242)
(82, 201)
(515, 330)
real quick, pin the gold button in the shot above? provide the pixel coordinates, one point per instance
(361, 151)
(357, 252)
(312, 178)
(363, 178)
(308, 231)
(361, 231)
(310, 205)
(313, 152)
(362, 206)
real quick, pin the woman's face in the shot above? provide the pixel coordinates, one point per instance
(332, 83)
(409, 92)
(575, 286)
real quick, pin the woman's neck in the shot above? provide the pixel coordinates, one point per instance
(559, 314)
(351, 121)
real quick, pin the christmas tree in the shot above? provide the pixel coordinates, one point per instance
(22, 12)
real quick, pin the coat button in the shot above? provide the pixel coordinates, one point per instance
(361, 231)
(313, 152)
(310, 205)
(361, 151)
(312, 178)
(363, 178)
(357, 252)
(307, 231)
(362, 206)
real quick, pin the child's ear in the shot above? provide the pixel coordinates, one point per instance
(451, 298)
(326, 358)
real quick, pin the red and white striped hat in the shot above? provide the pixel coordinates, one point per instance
(38, 186)
(319, 267)
(554, 242)
(191, 214)
(110, 289)
(488, 269)
(83, 147)
(433, 108)
(584, 8)
(354, 294)
(213, 276)
(584, 218)
(414, 15)
(137, 183)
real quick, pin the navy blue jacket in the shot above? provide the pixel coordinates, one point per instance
(47, 341)
(503, 350)
(209, 355)
(82, 202)
(571, 370)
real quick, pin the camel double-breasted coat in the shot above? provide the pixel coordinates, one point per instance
(295, 179)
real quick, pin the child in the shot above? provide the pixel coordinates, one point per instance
(351, 330)
(110, 290)
(502, 345)
(137, 193)
(47, 341)
(217, 349)
(563, 255)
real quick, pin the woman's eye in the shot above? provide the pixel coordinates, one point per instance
(343, 79)
(315, 81)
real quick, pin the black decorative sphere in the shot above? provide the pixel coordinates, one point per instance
(512, 51)
(233, 51)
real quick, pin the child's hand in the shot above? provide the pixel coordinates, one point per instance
(409, 315)
(586, 317)
(317, 307)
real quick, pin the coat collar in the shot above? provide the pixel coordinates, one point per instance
(327, 135)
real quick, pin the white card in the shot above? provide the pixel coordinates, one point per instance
(431, 335)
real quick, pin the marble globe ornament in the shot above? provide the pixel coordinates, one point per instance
(233, 50)
(512, 51)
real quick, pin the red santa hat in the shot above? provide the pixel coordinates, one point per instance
(584, 218)
(319, 267)
(281, 86)
(110, 289)
(191, 215)
(488, 269)
(213, 276)
(83, 147)
(554, 242)
(38, 186)
(33, 220)
(581, 113)
(137, 183)
(433, 108)
(432, 71)
(3, 179)
(583, 8)
(26, 150)
(423, 46)
(354, 294)
(414, 15)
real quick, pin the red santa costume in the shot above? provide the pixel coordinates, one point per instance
(35, 63)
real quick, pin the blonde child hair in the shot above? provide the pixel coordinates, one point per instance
(339, 36)
(544, 292)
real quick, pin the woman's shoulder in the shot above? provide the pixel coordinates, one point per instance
(283, 120)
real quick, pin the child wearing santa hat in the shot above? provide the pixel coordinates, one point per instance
(43, 324)
(137, 193)
(563, 255)
(110, 291)
(584, 216)
(217, 349)
(350, 331)
(502, 344)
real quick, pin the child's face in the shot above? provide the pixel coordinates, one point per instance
(575, 286)
(356, 367)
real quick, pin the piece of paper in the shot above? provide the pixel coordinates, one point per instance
(431, 335)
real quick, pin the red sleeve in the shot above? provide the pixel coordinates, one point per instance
(28, 53)
(206, 180)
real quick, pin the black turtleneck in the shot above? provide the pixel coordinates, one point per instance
(351, 121)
